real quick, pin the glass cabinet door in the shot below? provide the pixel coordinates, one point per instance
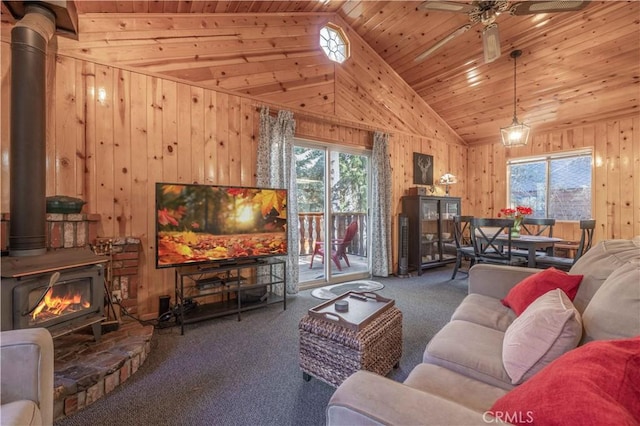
(450, 208)
(429, 210)
(429, 230)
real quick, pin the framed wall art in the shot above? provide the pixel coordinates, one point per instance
(422, 169)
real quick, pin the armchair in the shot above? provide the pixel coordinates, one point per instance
(26, 387)
(338, 247)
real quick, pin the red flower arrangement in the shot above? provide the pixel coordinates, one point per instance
(518, 213)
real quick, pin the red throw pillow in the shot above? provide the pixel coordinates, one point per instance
(595, 384)
(534, 286)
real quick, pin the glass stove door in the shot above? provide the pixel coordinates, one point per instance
(50, 305)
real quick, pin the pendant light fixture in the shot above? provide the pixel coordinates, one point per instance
(516, 134)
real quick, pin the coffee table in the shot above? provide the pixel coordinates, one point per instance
(334, 345)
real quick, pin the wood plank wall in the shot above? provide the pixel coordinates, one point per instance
(616, 174)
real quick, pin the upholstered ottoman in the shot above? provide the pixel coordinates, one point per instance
(333, 350)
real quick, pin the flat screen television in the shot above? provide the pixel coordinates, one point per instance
(213, 223)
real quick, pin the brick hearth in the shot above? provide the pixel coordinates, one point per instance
(86, 370)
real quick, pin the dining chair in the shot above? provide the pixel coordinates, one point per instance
(462, 239)
(538, 227)
(587, 228)
(492, 241)
(338, 247)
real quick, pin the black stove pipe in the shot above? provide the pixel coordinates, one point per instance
(29, 40)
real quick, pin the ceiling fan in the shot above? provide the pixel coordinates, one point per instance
(486, 13)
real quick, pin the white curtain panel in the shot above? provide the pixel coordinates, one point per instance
(381, 206)
(276, 169)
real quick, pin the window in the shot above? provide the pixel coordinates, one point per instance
(556, 186)
(334, 43)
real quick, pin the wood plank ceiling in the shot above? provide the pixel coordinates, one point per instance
(576, 67)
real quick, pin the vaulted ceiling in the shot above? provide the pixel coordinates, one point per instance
(576, 67)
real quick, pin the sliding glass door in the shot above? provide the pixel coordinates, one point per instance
(333, 202)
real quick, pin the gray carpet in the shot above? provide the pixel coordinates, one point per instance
(225, 372)
(331, 291)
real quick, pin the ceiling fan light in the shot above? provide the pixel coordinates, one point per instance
(491, 43)
(488, 17)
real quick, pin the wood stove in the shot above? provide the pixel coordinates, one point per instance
(62, 291)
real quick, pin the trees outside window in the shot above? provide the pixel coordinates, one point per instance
(556, 186)
(348, 177)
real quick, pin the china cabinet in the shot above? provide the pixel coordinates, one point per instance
(431, 231)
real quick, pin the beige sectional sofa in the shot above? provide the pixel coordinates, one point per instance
(463, 372)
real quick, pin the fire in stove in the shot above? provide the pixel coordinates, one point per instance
(58, 300)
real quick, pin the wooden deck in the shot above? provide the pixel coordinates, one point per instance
(359, 265)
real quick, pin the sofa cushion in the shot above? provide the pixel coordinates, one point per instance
(534, 286)
(619, 294)
(23, 412)
(548, 328)
(440, 381)
(366, 398)
(594, 384)
(484, 310)
(598, 263)
(470, 349)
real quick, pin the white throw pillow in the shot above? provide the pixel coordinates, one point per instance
(614, 311)
(549, 327)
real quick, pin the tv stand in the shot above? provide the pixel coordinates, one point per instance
(223, 289)
(231, 263)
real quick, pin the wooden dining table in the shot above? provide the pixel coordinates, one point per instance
(531, 243)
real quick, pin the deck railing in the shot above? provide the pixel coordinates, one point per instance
(311, 226)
